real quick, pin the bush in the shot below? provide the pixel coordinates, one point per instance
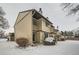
(22, 42)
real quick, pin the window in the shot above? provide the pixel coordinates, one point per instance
(47, 24)
(45, 34)
(34, 21)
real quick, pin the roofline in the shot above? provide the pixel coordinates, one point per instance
(37, 12)
(26, 10)
(43, 17)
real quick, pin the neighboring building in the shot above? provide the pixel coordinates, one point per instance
(2, 33)
(34, 26)
(10, 37)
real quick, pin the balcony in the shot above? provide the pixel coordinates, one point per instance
(36, 24)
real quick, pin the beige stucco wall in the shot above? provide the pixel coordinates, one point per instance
(20, 16)
(44, 27)
(41, 26)
(38, 26)
(39, 37)
(38, 34)
(52, 29)
(24, 28)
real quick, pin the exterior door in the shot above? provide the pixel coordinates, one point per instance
(33, 36)
(45, 34)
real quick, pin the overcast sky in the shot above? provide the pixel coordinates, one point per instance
(51, 10)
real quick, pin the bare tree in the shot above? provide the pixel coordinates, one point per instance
(71, 8)
(3, 22)
(2, 13)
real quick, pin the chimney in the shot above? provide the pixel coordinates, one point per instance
(47, 17)
(40, 10)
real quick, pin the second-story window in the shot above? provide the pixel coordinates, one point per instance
(34, 21)
(47, 24)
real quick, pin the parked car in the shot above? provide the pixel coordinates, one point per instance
(50, 41)
(76, 38)
(62, 38)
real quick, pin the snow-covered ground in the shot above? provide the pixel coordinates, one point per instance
(67, 47)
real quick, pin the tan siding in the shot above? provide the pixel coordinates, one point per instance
(20, 16)
(44, 27)
(24, 28)
(38, 26)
